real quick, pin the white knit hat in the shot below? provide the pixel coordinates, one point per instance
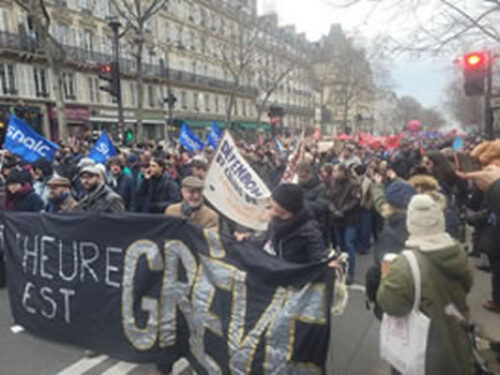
(425, 217)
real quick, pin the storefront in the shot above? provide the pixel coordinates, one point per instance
(77, 118)
(107, 119)
(33, 115)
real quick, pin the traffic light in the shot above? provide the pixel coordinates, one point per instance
(475, 67)
(110, 74)
(170, 100)
(129, 136)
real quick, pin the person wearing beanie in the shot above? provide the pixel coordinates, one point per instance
(293, 234)
(446, 280)
(20, 195)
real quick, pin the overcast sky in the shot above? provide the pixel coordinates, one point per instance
(423, 78)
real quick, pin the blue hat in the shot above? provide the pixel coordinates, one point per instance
(399, 194)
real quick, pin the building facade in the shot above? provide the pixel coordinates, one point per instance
(184, 52)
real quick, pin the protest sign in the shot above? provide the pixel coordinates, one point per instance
(24, 142)
(234, 188)
(103, 149)
(153, 289)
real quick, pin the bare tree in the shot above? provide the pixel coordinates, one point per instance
(467, 110)
(432, 25)
(240, 56)
(137, 15)
(37, 12)
(269, 76)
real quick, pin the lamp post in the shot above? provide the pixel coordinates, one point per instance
(115, 25)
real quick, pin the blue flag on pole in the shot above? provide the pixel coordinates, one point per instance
(23, 141)
(189, 140)
(278, 144)
(214, 136)
(103, 149)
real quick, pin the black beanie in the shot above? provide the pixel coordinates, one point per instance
(16, 176)
(290, 197)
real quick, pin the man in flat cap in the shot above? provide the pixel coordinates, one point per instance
(192, 206)
(60, 199)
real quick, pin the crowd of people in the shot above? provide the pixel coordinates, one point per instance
(351, 198)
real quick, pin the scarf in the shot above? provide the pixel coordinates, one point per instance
(281, 228)
(12, 199)
(187, 210)
(56, 203)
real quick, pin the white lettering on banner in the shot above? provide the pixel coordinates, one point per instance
(102, 148)
(18, 136)
(189, 141)
(234, 188)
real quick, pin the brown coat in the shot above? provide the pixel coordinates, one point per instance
(203, 217)
(69, 205)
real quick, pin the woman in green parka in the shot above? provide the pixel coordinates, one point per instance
(446, 280)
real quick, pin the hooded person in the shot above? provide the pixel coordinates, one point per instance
(20, 195)
(293, 234)
(446, 281)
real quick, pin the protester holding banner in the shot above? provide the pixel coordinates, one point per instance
(121, 182)
(20, 194)
(192, 206)
(158, 189)
(293, 233)
(99, 197)
(60, 199)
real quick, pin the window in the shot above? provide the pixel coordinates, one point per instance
(85, 5)
(69, 86)
(40, 78)
(4, 20)
(133, 95)
(244, 107)
(184, 99)
(94, 92)
(151, 96)
(207, 102)
(235, 104)
(216, 104)
(7, 79)
(87, 40)
(195, 100)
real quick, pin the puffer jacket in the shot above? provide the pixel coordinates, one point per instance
(446, 279)
(297, 240)
(102, 199)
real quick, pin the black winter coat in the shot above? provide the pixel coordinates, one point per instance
(297, 240)
(158, 194)
(28, 203)
(125, 188)
(317, 201)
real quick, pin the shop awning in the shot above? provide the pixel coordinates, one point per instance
(204, 124)
(253, 126)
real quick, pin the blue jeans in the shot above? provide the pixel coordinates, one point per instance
(365, 229)
(347, 237)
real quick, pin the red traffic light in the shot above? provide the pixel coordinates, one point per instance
(476, 60)
(106, 68)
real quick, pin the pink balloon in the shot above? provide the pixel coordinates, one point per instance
(414, 126)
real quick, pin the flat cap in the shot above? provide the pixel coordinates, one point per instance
(91, 169)
(59, 181)
(192, 182)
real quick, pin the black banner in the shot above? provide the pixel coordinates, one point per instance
(145, 288)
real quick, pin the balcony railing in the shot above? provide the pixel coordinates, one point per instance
(77, 54)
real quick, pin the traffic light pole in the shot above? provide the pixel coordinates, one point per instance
(115, 26)
(488, 111)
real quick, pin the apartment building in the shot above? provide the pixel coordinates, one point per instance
(184, 52)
